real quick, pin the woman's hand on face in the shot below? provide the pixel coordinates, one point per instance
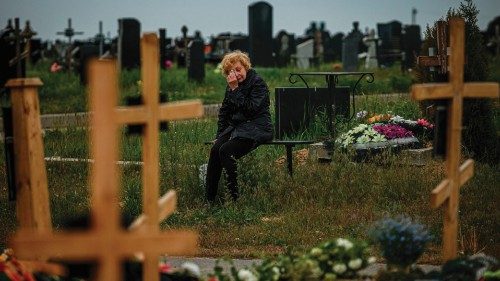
(232, 80)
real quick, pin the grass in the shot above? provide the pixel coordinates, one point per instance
(275, 212)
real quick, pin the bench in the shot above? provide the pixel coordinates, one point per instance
(289, 144)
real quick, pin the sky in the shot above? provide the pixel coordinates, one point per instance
(212, 17)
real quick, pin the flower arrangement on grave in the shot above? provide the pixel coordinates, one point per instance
(12, 269)
(401, 240)
(384, 127)
(340, 258)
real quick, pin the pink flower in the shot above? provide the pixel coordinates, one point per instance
(424, 123)
(391, 131)
(165, 267)
(168, 64)
(213, 278)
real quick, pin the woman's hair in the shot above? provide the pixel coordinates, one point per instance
(230, 59)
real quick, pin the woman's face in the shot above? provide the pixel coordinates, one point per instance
(239, 70)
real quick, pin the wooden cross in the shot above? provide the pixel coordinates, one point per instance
(447, 191)
(441, 59)
(19, 37)
(106, 242)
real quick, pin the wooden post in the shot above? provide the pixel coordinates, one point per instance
(33, 211)
(106, 242)
(441, 59)
(447, 191)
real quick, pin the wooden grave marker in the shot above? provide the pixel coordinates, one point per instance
(106, 241)
(440, 60)
(447, 192)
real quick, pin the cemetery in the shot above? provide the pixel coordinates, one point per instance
(384, 163)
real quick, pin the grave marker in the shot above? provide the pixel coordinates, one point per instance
(106, 242)
(129, 35)
(447, 192)
(440, 60)
(260, 33)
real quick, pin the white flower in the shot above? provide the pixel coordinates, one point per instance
(344, 243)
(315, 252)
(276, 273)
(355, 264)
(363, 139)
(246, 275)
(192, 269)
(339, 268)
(372, 260)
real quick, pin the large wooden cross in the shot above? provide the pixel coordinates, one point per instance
(106, 241)
(441, 59)
(447, 192)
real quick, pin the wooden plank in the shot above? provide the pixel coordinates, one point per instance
(481, 90)
(33, 210)
(440, 193)
(431, 91)
(166, 207)
(82, 246)
(466, 171)
(181, 110)
(427, 61)
(104, 149)
(45, 267)
(131, 115)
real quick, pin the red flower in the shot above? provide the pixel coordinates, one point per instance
(165, 267)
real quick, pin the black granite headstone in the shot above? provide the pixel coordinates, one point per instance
(411, 44)
(87, 51)
(389, 49)
(163, 47)
(260, 32)
(196, 60)
(296, 108)
(129, 36)
(336, 42)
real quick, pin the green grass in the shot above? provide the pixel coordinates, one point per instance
(275, 212)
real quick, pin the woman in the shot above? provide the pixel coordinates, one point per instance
(244, 122)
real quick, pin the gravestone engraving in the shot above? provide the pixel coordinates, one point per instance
(305, 53)
(260, 33)
(350, 48)
(129, 33)
(196, 60)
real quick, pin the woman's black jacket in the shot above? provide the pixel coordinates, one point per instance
(245, 111)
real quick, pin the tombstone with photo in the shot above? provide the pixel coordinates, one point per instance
(129, 33)
(260, 33)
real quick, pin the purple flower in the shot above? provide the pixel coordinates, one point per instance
(392, 131)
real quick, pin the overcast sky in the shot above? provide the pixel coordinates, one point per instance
(212, 17)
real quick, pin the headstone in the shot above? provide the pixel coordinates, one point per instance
(260, 32)
(350, 48)
(196, 60)
(35, 50)
(390, 46)
(305, 53)
(336, 42)
(86, 53)
(284, 48)
(163, 47)
(296, 107)
(129, 33)
(411, 43)
(371, 41)
(7, 52)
